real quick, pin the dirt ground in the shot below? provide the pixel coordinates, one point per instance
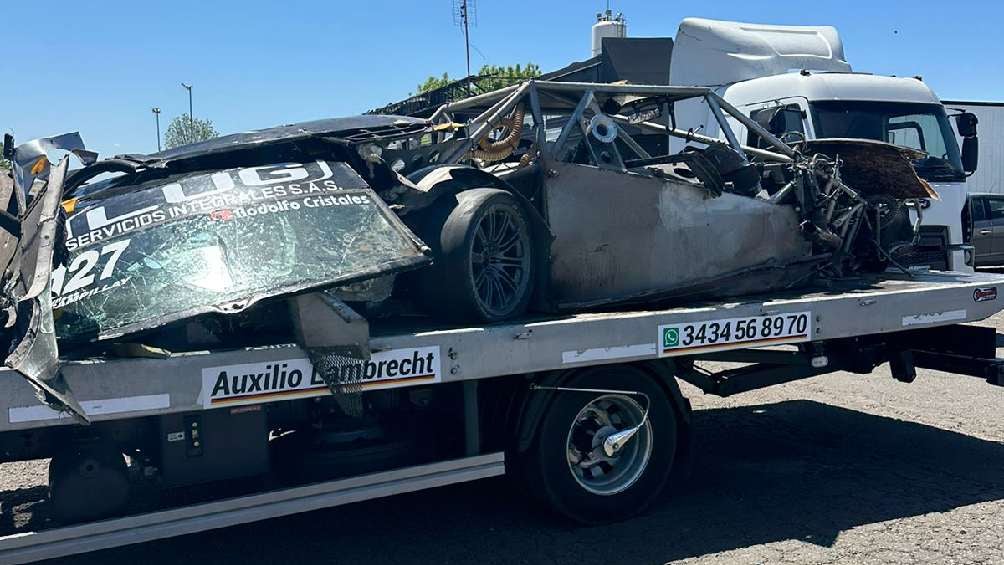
(836, 469)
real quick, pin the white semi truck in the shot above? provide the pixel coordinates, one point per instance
(796, 82)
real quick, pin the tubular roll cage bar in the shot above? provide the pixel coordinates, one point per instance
(501, 103)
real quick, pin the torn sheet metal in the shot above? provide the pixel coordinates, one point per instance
(219, 241)
(38, 236)
(36, 356)
(29, 335)
(26, 164)
(334, 336)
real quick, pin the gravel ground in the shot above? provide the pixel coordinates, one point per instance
(837, 469)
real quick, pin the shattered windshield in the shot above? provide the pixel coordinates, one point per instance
(218, 241)
(924, 127)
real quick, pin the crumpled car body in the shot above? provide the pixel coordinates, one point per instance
(632, 222)
(323, 213)
(211, 229)
(217, 226)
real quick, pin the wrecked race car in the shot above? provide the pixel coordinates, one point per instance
(544, 196)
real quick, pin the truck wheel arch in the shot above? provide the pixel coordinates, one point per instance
(535, 403)
(536, 455)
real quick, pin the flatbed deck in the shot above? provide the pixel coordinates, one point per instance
(119, 388)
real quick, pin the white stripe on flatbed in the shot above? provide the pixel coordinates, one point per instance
(639, 350)
(41, 412)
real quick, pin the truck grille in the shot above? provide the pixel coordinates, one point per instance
(931, 250)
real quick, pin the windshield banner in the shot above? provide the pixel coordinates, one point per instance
(218, 241)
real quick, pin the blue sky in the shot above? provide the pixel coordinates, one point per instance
(98, 67)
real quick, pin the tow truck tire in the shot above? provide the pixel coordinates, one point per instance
(631, 482)
(87, 483)
(483, 240)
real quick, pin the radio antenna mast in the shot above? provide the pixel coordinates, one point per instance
(465, 14)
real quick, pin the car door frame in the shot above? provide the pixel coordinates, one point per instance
(982, 230)
(997, 227)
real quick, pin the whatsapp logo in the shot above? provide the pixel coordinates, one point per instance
(670, 337)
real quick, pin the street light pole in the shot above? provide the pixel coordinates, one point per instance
(191, 116)
(156, 115)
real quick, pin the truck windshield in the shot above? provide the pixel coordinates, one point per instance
(923, 127)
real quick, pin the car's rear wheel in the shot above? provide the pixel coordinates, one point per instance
(484, 258)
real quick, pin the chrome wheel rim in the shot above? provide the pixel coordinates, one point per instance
(592, 468)
(500, 261)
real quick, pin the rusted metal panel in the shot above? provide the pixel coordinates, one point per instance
(873, 167)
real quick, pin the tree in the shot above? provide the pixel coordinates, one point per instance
(184, 130)
(4, 164)
(432, 83)
(490, 77)
(494, 77)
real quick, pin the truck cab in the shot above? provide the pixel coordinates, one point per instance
(795, 81)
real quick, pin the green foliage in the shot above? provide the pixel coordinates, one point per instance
(432, 83)
(505, 76)
(4, 164)
(183, 130)
(490, 77)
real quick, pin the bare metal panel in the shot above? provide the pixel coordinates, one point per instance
(619, 235)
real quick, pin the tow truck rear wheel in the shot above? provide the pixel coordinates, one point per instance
(571, 466)
(88, 482)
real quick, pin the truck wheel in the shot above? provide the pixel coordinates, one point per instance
(568, 466)
(87, 483)
(484, 258)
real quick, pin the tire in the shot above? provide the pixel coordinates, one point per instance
(549, 469)
(483, 256)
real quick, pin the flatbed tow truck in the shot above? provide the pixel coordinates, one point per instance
(584, 409)
(211, 415)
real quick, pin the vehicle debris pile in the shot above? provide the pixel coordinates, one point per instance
(863, 230)
(545, 196)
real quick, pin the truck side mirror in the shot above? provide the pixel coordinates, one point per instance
(966, 124)
(970, 153)
(8, 146)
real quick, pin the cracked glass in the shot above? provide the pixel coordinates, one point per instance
(219, 241)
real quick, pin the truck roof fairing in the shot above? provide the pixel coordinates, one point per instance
(716, 53)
